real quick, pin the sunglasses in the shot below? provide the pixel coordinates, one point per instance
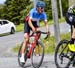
(41, 8)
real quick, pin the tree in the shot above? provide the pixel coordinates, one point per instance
(56, 23)
(64, 7)
(14, 8)
(60, 4)
(48, 9)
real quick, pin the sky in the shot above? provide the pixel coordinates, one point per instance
(2, 1)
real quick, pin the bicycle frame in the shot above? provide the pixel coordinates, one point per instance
(33, 44)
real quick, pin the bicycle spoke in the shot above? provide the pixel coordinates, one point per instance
(19, 55)
(37, 55)
(62, 54)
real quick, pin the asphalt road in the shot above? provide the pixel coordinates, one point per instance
(9, 60)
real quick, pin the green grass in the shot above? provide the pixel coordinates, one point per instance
(21, 26)
(16, 48)
(62, 20)
(5, 34)
(49, 43)
(52, 22)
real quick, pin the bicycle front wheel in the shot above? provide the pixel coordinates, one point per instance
(62, 55)
(37, 55)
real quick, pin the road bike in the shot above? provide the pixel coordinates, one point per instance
(64, 56)
(34, 50)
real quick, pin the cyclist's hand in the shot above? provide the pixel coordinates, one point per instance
(48, 33)
(33, 29)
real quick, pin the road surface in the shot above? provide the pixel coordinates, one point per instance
(9, 60)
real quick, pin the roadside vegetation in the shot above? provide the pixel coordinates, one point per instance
(49, 43)
(50, 22)
(16, 11)
(20, 27)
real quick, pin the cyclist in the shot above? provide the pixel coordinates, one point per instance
(70, 18)
(32, 21)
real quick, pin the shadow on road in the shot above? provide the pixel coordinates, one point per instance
(44, 65)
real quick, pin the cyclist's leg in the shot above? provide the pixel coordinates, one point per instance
(37, 49)
(73, 36)
(71, 45)
(26, 40)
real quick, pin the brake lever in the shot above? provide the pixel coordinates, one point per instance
(48, 35)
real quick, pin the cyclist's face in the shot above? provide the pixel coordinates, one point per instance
(40, 9)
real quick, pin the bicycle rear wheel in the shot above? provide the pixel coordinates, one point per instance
(62, 55)
(37, 55)
(19, 55)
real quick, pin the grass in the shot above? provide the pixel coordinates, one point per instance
(49, 43)
(50, 22)
(21, 26)
(5, 34)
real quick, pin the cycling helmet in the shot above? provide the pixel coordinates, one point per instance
(70, 15)
(72, 9)
(40, 4)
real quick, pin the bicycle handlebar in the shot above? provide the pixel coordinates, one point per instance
(48, 34)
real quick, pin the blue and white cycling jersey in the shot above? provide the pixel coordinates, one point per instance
(35, 16)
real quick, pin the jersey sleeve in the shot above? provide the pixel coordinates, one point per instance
(45, 17)
(31, 14)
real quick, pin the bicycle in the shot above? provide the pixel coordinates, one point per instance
(64, 56)
(30, 50)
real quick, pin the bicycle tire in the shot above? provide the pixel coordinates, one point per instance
(63, 52)
(42, 56)
(19, 55)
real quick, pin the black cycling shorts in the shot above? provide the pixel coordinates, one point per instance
(27, 28)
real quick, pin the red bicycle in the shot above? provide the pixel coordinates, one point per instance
(34, 50)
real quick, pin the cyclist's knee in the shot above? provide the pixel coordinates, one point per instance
(26, 37)
(73, 36)
(38, 29)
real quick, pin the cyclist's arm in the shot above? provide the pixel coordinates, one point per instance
(31, 25)
(30, 20)
(47, 28)
(45, 21)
